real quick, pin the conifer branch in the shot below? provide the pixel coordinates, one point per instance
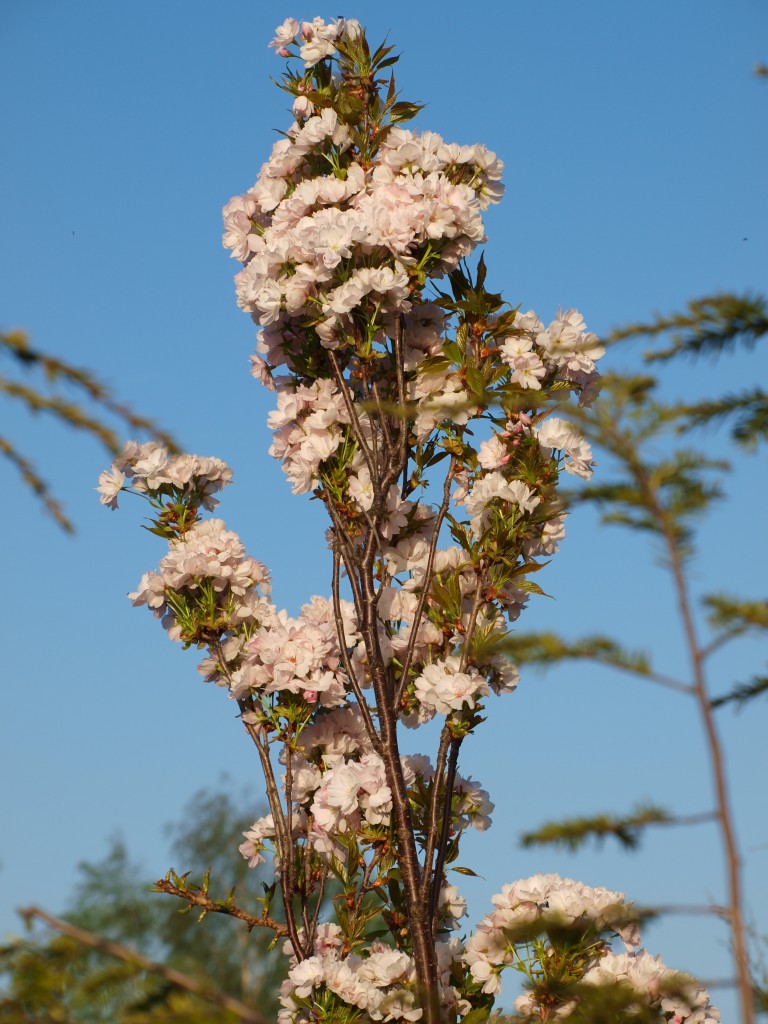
(572, 833)
(710, 326)
(547, 648)
(36, 484)
(742, 693)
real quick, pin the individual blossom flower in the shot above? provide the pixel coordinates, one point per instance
(111, 482)
(474, 806)
(526, 366)
(284, 36)
(444, 688)
(493, 453)
(559, 435)
(251, 849)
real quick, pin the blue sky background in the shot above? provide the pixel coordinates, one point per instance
(635, 149)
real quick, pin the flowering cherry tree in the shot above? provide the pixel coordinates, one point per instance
(425, 413)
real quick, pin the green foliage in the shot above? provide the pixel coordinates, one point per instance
(747, 411)
(547, 649)
(53, 977)
(658, 488)
(743, 693)
(86, 412)
(575, 832)
(734, 617)
(710, 326)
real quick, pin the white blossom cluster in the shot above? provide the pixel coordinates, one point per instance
(565, 344)
(318, 246)
(150, 467)
(297, 655)
(443, 687)
(315, 39)
(339, 782)
(380, 980)
(382, 984)
(678, 996)
(542, 899)
(684, 999)
(207, 564)
(308, 429)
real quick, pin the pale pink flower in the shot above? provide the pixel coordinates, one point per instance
(559, 435)
(111, 482)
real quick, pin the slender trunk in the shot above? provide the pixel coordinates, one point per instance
(724, 814)
(717, 760)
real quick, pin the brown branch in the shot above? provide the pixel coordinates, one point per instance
(283, 836)
(442, 512)
(354, 420)
(36, 484)
(365, 711)
(131, 956)
(400, 464)
(437, 778)
(445, 826)
(203, 900)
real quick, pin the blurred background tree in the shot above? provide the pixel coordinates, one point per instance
(93, 965)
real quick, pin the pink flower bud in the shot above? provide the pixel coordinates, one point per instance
(306, 30)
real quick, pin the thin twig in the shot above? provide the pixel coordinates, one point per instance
(348, 667)
(445, 827)
(442, 512)
(431, 840)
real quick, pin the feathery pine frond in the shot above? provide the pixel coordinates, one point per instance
(743, 693)
(734, 616)
(573, 833)
(43, 396)
(710, 326)
(548, 649)
(747, 411)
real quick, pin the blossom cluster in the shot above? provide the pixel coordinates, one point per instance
(682, 999)
(382, 983)
(206, 579)
(338, 782)
(296, 655)
(647, 981)
(316, 39)
(149, 467)
(542, 900)
(377, 979)
(319, 247)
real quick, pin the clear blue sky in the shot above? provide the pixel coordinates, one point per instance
(635, 148)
